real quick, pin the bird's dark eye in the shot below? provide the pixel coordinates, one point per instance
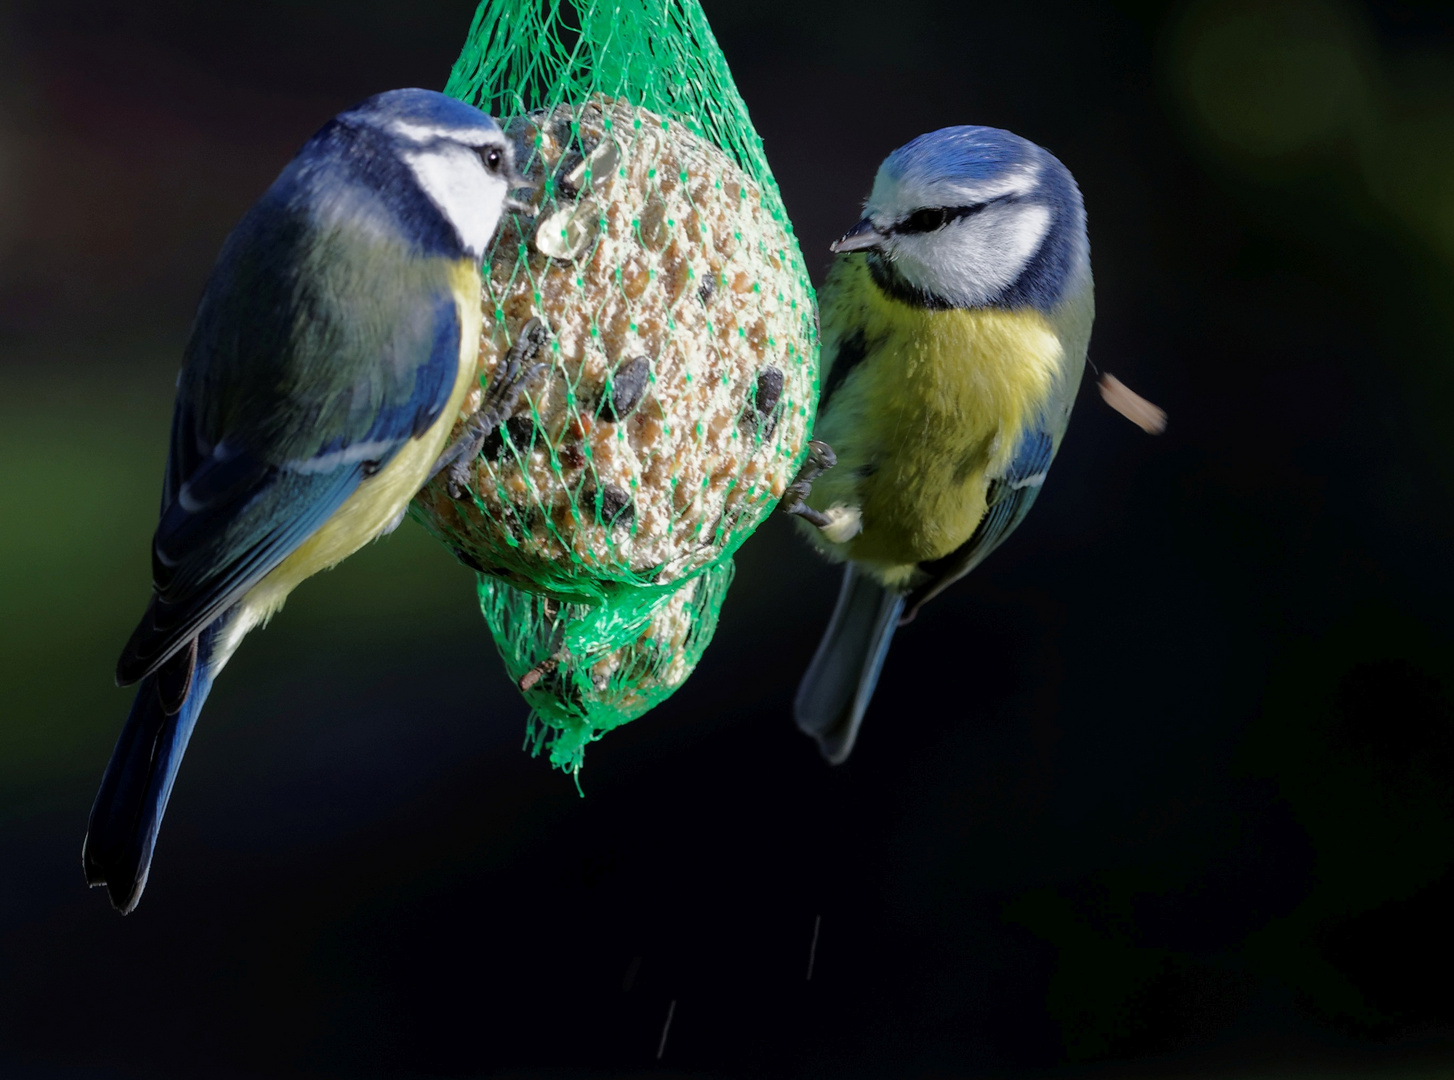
(493, 157)
(934, 218)
(926, 220)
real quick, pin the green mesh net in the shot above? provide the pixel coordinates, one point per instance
(655, 299)
(586, 668)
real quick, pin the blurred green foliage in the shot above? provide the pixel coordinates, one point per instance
(82, 446)
(1275, 79)
(1284, 545)
(1096, 953)
(1328, 131)
(72, 528)
(1343, 144)
(1302, 98)
(1302, 92)
(1357, 730)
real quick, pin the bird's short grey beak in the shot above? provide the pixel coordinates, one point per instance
(859, 238)
(514, 205)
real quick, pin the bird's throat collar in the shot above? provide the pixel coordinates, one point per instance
(893, 284)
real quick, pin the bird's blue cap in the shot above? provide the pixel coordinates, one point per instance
(422, 110)
(963, 153)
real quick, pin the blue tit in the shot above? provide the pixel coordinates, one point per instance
(334, 345)
(955, 319)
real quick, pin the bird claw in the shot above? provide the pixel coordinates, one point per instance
(820, 459)
(457, 478)
(501, 397)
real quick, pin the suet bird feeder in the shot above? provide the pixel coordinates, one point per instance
(656, 290)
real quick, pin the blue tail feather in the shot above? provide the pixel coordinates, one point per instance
(839, 683)
(133, 797)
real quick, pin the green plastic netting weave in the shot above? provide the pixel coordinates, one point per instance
(677, 354)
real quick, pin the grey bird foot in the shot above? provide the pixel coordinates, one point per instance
(821, 458)
(511, 377)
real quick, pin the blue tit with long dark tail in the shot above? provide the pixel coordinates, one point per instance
(334, 346)
(955, 320)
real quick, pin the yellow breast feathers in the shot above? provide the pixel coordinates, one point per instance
(925, 417)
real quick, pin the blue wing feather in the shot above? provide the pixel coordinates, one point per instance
(433, 381)
(1008, 500)
(231, 516)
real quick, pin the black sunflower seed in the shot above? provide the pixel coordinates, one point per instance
(627, 386)
(769, 390)
(519, 429)
(616, 507)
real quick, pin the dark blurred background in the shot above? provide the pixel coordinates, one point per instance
(1165, 789)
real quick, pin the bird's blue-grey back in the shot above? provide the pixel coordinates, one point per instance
(328, 337)
(299, 384)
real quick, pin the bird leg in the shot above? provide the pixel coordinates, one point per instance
(820, 459)
(503, 394)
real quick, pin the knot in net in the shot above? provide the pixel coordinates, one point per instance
(655, 297)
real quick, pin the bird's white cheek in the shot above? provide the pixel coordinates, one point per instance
(477, 228)
(994, 247)
(1021, 235)
(971, 262)
(470, 198)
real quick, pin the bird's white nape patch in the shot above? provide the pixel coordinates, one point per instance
(1020, 234)
(457, 182)
(425, 133)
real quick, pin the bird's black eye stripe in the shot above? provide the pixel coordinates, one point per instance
(936, 217)
(493, 157)
(926, 220)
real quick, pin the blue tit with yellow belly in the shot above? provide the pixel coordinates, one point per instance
(955, 323)
(334, 345)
